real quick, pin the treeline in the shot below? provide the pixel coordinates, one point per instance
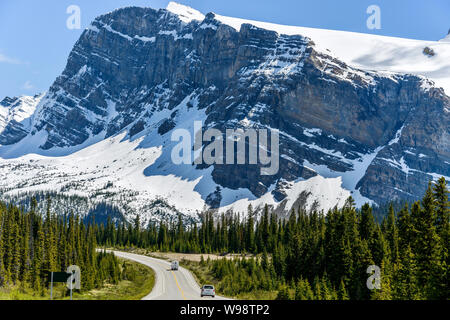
(320, 256)
(244, 277)
(31, 245)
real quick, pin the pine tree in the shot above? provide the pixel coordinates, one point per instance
(442, 206)
(392, 234)
(136, 231)
(405, 285)
(38, 257)
(385, 292)
(50, 251)
(250, 232)
(443, 230)
(317, 288)
(367, 222)
(426, 244)
(265, 228)
(342, 293)
(357, 280)
(16, 251)
(265, 261)
(283, 294)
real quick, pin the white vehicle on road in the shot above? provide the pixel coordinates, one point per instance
(208, 291)
(174, 266)
(168, 285)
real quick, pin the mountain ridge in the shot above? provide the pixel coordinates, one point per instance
(137, 74)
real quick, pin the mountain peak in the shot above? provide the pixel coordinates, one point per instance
(15, 117)
(185, 13)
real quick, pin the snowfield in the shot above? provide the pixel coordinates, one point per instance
(133, 173)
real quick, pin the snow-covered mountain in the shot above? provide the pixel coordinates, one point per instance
(357, 114)
(15, 117)
(365, 51)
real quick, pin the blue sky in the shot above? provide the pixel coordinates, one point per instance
(35, 42)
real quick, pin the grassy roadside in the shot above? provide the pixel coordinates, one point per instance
(137, 283)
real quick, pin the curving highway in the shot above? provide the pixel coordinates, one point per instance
(169, 285)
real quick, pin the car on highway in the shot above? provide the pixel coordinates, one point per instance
(174, 266)
(208, 291)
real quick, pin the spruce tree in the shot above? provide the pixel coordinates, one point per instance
(342, 293)
(405, 286)
(426, 244)
(367, 222)
(392, 234)
(250, 233)
(442, 206)
(16, 251)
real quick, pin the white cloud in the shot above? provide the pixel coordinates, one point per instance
(6, 59)
(28, 85)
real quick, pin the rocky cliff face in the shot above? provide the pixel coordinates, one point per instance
(386, 135)
(15, 118)
(420, 154)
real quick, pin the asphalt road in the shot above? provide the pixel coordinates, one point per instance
(169, 285)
